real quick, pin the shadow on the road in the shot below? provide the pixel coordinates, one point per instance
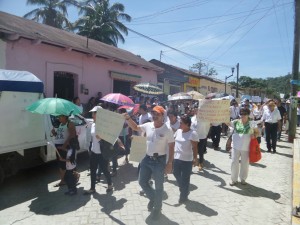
(55, 203)
(110, 203)
(258, 165)
(210, 166)
(284, 154)
(126, 174)
(163, 220)
(253, 191)
(192, 187)
(197, 207)
(214, 177)
(282, 146)
(279, 153)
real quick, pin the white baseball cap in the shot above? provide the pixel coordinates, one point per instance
(95, 108)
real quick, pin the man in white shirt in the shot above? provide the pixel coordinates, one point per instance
(234, 110)
(174, 120)
(272, 123)
(144, 114)
(202, 129)
(159, 138)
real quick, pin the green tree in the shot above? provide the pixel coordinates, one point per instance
(198, 67)
(212, 72)
(51, 12)
(100, 21)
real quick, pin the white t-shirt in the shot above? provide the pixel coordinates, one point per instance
(271, 117)
(298, 111)
(234, 112)
(202, 128)
(183, 146)
(69, 165)
(62, 134)
(143, 118)
(157, 138)
(174, 126)
(95, 141)
(242, 141)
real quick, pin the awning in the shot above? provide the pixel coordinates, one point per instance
(125, 76)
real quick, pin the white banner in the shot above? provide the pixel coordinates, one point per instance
(214, 111)
(138, 148)
(109, 125)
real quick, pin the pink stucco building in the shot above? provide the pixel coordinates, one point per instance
(68, 64)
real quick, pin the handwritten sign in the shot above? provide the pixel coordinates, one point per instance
(138, 148)
(109, 125)
(214, 111)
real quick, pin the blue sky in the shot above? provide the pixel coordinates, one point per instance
(257, 34)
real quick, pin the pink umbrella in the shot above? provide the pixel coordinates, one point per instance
(118, 99)
(134, 109)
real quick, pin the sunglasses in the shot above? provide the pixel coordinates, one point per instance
(244, 114)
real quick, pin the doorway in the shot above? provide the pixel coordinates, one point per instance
(122, 87)
(64, 85)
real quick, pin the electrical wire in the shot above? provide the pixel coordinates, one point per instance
(208, 24)
(205, 18)
(280, 35)
(177, 50)
(250, 13)
(171, 9)
(244, 34)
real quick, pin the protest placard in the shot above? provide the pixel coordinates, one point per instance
(214, 111)
(138, 148)
(109, 125)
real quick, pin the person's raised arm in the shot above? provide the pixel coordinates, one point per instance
(131, 123)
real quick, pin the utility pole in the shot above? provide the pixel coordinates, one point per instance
(295, 72)
(226, 77)
(200, 66)
(237, 80)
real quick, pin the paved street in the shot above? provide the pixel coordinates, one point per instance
(30, 198)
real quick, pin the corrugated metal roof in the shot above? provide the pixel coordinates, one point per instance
(18, 26)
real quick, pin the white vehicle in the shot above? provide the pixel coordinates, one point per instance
(24, 136)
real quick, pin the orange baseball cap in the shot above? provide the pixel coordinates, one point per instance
(159, 109)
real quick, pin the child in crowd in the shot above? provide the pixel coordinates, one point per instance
(70, 177)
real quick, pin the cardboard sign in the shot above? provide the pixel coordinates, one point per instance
(138, 148)
(109, 125)
(214, 111)
(256, 99)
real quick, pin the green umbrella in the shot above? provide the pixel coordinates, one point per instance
(54, 106)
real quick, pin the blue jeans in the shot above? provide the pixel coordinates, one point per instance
(156, 168)
(182, 171)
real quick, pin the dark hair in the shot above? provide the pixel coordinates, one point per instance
(143, 107)
(186, 120)
(172, 112)
(75, 99)
(244, 111)
(122, 110)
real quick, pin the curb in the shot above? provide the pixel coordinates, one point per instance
(296, 178)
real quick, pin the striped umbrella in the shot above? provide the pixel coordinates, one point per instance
(180, 96)
(148, 88)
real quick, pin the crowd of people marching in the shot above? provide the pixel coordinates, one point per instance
(176, 141)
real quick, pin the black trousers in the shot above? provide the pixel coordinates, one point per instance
(70, 179)
(201, 149)
(271, 135)
(216, 135)
(95, 161)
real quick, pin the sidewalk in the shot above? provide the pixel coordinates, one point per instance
(266, 200)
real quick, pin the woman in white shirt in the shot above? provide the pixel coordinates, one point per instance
(240, 146)
(185, 156)
(96, 158)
